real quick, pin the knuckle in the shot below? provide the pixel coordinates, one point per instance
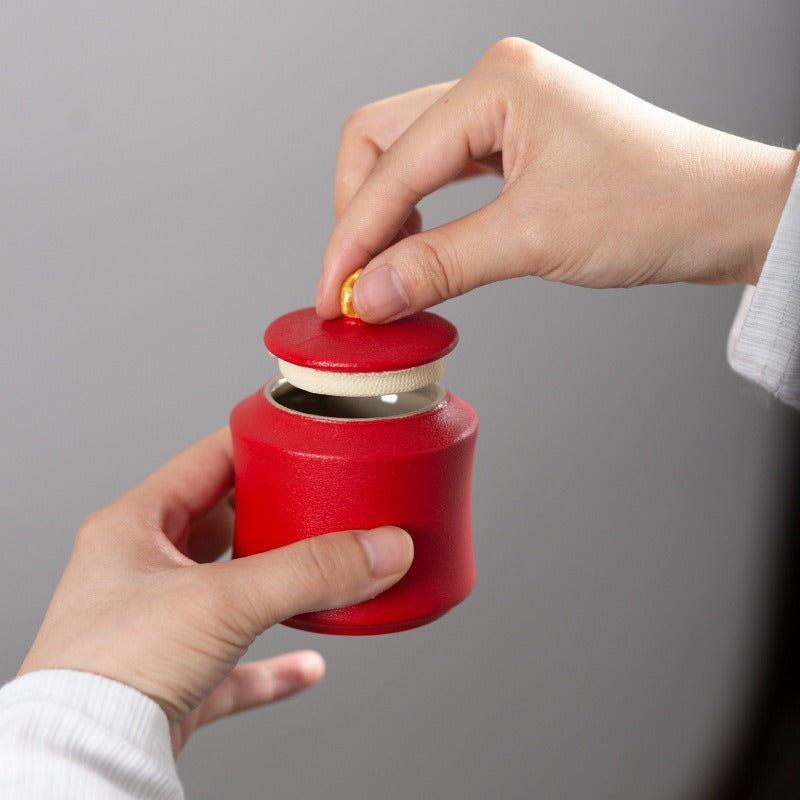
(354, 123)
(513, 51)
(93, 528)
(321, 566)
(393, 169)
(437, 266)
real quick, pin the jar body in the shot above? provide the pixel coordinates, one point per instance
(298, 475)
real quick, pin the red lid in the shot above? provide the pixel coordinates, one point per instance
(350, 345)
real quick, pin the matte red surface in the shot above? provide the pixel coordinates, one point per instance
(299, 476)
(346, 345)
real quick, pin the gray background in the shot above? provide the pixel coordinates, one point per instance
(166, 176)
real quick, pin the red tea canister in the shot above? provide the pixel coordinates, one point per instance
(358, 433)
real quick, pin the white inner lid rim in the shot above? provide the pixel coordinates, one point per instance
(362, 384)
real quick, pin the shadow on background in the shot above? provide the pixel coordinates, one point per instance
(764, 761)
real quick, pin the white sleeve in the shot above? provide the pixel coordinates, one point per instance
(764, 342)
(67, 734)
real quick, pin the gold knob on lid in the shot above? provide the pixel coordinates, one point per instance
(346, 295)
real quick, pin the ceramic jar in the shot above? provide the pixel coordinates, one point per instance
(308, 462)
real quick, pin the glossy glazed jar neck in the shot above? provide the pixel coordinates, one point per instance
(287, 397)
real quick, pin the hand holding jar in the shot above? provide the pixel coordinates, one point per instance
(143, 601)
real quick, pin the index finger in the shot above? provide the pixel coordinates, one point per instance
(370, 131)
(434, 150)
(186, 487)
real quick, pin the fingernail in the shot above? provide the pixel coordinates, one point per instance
(379, 295)
(312, 665)
(389, 550)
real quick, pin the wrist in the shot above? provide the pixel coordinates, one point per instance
(754, 198)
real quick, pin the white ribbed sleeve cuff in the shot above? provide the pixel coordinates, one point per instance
(69, 734)
(764, 341)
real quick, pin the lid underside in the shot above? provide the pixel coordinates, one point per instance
(362, 384)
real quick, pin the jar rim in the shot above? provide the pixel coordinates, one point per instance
(287, 397)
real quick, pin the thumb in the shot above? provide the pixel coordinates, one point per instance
(318, 573)
(435, 265)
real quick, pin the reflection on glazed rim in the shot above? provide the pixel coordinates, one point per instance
(288, 397)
